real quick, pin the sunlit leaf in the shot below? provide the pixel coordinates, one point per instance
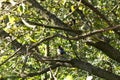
(110, 31)
(80, 6)
(72, 8)
(3, 58)
(21, 8)
(68, 77)
(11, 19)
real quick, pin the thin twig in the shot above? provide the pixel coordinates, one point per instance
(10, 56)
(96, 11)
(73, 38)
(43, 71)
(55, 27)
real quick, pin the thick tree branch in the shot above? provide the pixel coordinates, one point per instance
(46, 14)
(94, 70)
(102, 16)
(107, 49)
(84, 66)
(58, 22)
(49, 16)
(80, 65)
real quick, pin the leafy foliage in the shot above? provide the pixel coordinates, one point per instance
(38, 30)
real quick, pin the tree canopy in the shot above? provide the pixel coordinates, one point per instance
(32, 30)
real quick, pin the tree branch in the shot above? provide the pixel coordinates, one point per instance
(32, 74)
(77, 64)
(56, 27)
(43, 71)
(99, 14)
(96, 11)
(107, 49)
(78, 31)
(15, 44)
(10, 56)
(99, 31)
(72, 38)
(94, 70)
(39, 42)
(46, 14)
(84, 66)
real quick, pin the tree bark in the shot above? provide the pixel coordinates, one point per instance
(94, 70)
(107, 49)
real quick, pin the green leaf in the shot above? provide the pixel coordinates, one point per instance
(69, 77)
(11, 19)
(21, 8)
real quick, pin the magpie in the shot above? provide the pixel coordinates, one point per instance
(60, 50)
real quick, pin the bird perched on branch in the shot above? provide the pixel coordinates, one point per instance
(60, 50)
